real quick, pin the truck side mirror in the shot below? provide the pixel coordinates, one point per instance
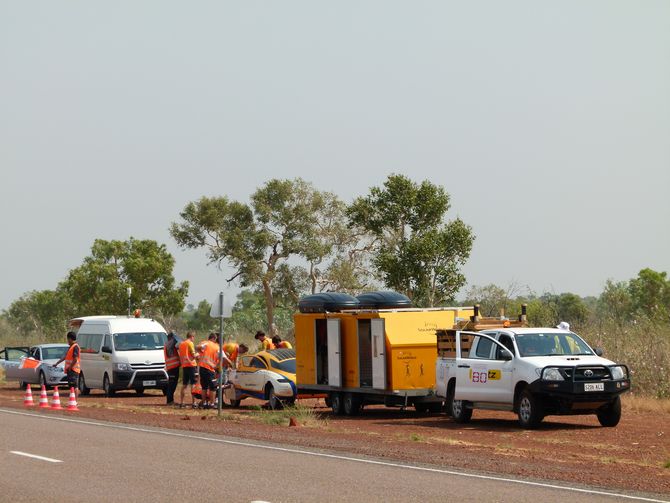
(106, 349)
(506, 355)
(599, 351)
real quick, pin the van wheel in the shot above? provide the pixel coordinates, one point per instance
(351, 404)
(530, 410)
(81, 384)
(107, 387)
(610, 414)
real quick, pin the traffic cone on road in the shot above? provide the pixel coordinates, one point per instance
(55, 402)
(72, 402)
(28, 397)
(44, 399)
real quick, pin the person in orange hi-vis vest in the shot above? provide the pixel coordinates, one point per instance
(196, 391)
(233, 350)
(279, 344)
(208, 364)
(189, 365)
(72, 361)
(264, 343)
(172, 365)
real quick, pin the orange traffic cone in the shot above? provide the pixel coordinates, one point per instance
(28, 397)
(44, 399)
(55, 402)
(72, 402)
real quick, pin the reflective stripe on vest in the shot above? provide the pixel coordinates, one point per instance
(171, 362)
(209, 357)
(72, 363)
(185, 357)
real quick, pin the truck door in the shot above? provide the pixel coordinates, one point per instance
(484, 376)
(334, 352)
(378, 353)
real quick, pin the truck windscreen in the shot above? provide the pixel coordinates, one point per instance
(550, 344)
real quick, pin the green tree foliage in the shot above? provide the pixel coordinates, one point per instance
(415, 252)
(99, 285)
(44, 312)
(650, 293)
(249, 317)
(198, 318)
(286, 218)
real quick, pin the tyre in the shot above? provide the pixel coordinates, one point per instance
(336, 403)
(22, 384)
(164, 391)
(530, 410)
(107, 387)
(610, 414)
(460, 411)
(140, 391)
(327, 401)
(274, 402)
(81, 384)
(351, 404)
(43, 380)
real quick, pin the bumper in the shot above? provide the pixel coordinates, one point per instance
(140, 379)
(571, 397)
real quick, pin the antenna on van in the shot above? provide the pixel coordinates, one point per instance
(130, 291)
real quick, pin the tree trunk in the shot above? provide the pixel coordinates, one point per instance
(269, 306)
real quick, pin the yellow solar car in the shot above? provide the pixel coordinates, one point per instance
(267, 375)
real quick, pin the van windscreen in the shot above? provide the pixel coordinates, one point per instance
(139, 341)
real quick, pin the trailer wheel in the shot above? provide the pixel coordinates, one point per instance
(336, 403)
(352, 404)
(610, 414)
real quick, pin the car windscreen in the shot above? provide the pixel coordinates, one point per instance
(550, 344)
(54, 353)
(139, 341)
(285, 365)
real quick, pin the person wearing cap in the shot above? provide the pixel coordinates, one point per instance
(172, 365)
(280, 344)
(265, 343)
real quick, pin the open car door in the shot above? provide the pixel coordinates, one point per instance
(12, 361)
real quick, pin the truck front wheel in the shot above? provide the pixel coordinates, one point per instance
(610, 414)
(530, 410)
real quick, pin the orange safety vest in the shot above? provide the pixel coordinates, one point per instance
(196, 389)
(209, 357)
(72, 363)
(187, 354)
(266, 344)
(232, 350)
(171, 362)
(285, 345)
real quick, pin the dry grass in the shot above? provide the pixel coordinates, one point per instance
(637, 403)
(304, 415)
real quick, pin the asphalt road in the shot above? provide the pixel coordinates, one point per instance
(82, 460)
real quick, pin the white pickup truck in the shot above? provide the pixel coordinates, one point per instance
(534, 372)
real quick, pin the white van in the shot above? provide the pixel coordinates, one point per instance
(119, 352)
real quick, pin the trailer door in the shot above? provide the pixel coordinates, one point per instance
(378, 354)
(334, 352)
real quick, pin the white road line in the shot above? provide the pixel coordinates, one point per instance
(340, 457)
(35, 456)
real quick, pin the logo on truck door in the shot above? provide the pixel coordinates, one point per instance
(483, 375)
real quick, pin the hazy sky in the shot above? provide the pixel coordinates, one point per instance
(547, 122)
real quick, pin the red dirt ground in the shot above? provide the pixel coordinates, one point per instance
(633, 456)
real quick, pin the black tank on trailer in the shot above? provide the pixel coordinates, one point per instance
(331, 302)
(383, 300)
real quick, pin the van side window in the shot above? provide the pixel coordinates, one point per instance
(90, 343)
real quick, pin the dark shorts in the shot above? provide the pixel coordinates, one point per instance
(72, 379)
(207, 379)
(188, 375)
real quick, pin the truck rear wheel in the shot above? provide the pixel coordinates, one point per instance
(352, 404)
(530, 410)
(336, 403)
(610, 414)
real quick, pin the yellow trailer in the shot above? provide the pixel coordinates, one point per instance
(358, 352)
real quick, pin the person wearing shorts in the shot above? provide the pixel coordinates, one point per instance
(189, 365)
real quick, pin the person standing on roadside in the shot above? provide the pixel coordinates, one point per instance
(265, 343)
(172, 364)
(189, 364)
(72, 362)
(208, 365)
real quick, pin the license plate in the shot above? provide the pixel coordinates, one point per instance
(595, 386)
(149, 383)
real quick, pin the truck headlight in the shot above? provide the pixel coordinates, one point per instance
(618, 372)
(552, 374)
(122, 366)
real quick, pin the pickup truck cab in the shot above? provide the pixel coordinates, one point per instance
(534, 372)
